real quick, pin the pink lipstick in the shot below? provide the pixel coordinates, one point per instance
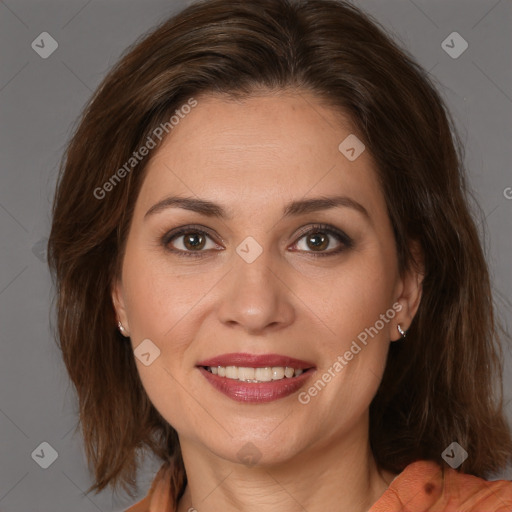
(253, 378)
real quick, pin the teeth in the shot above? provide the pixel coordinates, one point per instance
(277, 373)
(231, 372)
(263, 374)
(246, 374)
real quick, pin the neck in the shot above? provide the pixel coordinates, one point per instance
(339, 475)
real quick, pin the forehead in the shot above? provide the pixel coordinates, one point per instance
(274, 147)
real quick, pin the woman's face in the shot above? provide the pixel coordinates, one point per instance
(262, 280)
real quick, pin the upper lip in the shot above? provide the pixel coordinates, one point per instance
(255, 361)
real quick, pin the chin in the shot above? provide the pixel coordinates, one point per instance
(261, 449)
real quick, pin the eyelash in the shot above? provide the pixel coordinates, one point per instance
(343, 238)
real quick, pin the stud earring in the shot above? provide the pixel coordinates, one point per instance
(122, 329)
(401, 331)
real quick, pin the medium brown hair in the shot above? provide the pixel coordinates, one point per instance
(443, 384)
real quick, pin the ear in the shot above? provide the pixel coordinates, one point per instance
(409, 290)
(118, 302)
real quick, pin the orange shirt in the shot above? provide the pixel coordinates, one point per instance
(422, 486)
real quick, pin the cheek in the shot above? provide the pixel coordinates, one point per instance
(358, 311)
(158, 303)
(355, 297)
(157, 298)
(169, 394)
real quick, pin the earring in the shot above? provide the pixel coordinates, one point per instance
(122, 329)
(401, 331)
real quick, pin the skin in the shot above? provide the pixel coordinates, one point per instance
(253, 157)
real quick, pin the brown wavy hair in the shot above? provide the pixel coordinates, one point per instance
(443, 384)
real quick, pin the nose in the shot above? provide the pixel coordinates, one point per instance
(255, 296)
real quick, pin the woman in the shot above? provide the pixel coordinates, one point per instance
(268, 275)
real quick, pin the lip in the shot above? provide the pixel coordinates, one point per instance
(252, 392)
(256, 392)
(256, 361)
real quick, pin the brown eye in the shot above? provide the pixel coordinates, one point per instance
(194, 240)
(318, 240)
(188, 241)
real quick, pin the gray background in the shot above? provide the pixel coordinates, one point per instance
(40, 100)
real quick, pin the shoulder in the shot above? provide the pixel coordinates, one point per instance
(477, 494)
(425, 486)
(158, 497)
(140, 506)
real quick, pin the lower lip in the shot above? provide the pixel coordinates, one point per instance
(253, 392)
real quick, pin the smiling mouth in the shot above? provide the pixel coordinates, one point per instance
(256, 375)
(256, 378)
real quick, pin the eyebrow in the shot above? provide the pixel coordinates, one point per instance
(298, 207)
